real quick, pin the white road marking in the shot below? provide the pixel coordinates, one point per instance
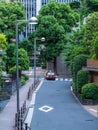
(66, 79)
(46, 108)
(70, 79)
(71, 88)
(56, 79)
(61, 79)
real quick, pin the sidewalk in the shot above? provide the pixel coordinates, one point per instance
(7, 115)
(93, 109)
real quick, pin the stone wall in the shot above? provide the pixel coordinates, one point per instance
(9, 87)
(61, 69)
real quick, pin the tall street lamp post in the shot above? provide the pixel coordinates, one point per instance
(35, 39)
(33, 20)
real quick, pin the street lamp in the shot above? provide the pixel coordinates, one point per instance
(35, 39)
(32, 20)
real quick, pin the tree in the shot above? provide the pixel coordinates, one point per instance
(54, 35)
(23, 59)
(9, 12)
(62, 12)
(11, 58)
(95, 46)
(55, 21)
(75, 45)
(27, 44)
(3, 42)
(90, 31)
(92, 5)
(10, 62)
(87, 7)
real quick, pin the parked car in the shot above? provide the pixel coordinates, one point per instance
(50, 75)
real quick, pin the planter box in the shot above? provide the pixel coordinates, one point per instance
(92, 62)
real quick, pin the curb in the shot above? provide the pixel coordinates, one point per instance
(30, 108)
(88, 108)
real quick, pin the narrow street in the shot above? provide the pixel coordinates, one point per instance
(57, 109)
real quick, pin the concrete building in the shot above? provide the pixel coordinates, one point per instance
(68, 1)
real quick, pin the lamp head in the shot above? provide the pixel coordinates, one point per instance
(43, 39)
(33, 20)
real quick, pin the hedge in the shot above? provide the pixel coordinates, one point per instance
(82, 79)
(77, 64)
(90, 91)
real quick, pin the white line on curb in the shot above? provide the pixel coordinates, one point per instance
(31, 109)
(93, 110)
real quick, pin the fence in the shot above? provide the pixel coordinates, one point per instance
(19, 116)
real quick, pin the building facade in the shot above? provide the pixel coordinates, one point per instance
(68, 1)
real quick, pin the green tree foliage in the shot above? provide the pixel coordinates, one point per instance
(95, 47)
(84, 7)
(54, 34)
(91, 31)
(75, 45)
(27, 44)
(82, 78)
(10, 62)
(3, 42)
(92, 5)
(11, 58)
(83, 40)
(77, 64)
(9, 12)
(55, 21)
(62, 12)
(23, 59)
(75, 5)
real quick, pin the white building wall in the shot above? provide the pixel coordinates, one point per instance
(38, 6)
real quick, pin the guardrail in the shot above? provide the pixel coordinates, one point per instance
(19, 116)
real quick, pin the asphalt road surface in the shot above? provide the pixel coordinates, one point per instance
(57, 109)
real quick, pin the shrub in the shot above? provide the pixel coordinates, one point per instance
(23, 81)
(90, 91)
(24, 78)
(78, 62)
(82, 78)
(12, 70)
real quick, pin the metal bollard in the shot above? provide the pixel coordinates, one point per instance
(18, 126)
(21, 124)
(16, 119)
(26, 126)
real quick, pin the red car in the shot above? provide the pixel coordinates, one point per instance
(50, 75)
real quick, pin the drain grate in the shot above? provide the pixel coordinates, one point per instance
(89, 120)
